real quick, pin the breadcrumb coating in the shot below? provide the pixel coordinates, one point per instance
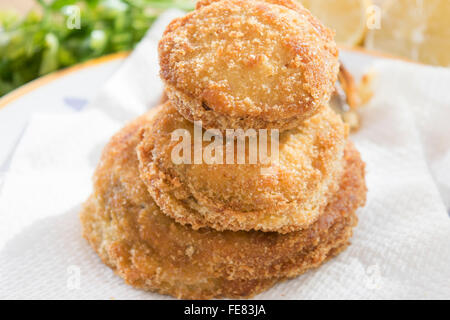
(283, 195)
(248, 64)
(153, 252)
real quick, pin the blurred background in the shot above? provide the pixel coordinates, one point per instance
(40, 36)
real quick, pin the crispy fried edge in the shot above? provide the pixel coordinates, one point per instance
(193, 108)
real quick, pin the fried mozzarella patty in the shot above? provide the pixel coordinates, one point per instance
(248, 64)
(151, 251)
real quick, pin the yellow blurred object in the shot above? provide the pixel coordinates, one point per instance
(415, 29)
(346, 17)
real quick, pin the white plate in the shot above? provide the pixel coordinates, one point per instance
(67, 91)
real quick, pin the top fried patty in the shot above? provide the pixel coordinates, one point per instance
(249, 64)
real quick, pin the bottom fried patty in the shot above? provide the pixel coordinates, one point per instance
(149, 250)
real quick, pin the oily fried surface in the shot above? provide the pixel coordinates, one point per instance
(151, 251)
(283, 196)
(249, 64)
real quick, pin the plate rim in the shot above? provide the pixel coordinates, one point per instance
(41, 81)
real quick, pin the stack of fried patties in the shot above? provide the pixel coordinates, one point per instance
(205, 229)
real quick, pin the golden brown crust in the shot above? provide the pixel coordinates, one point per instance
(215, 120)
(283, 196)
(151, 251)
(248, 64)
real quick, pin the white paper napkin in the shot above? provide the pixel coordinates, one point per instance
(401, 246)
